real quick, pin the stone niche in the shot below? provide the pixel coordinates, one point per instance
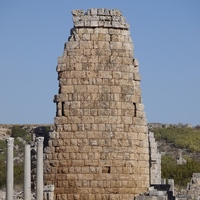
(99, 149)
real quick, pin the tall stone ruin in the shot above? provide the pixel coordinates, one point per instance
(99, 149)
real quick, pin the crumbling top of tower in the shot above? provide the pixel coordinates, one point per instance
(99, 18)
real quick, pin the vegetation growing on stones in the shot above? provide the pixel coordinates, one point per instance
(186, 139)
(180, 173)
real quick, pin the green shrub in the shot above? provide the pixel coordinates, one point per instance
(180, 173)
(2, 146)
(17, 131)
(187, 138)
(20, 148)
(18, 174)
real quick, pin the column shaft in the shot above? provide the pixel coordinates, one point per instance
(9, 167)
(27, 172)
(39, 171)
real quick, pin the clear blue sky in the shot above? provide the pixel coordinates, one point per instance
(166, 37)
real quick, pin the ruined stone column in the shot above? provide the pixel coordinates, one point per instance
(155, 160)
(100, 148)
(39, 169)
(9, 167)
(27, 172)
(171, 183)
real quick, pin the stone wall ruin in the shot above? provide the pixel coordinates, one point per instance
(99, 149)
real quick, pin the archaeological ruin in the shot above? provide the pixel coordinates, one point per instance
(100, 146)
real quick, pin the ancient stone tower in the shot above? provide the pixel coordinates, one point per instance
(99, 149)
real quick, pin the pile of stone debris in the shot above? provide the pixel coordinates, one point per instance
(193, 189)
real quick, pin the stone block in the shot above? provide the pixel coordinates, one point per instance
(127, 106)
(115, 45)
(101, 119)
(78, 12)
(88, 119)
(114, 119)
(104, 74)
(104, 89)
(115, 105)
(86, 44)
(102, 36)
(125, 32)
(117, 75)
(137, 77)
(72, 45)
(85, 176)
(116, 38)
(78, 23)
(93, 11)
(78, 163)
(118, 163)
(116, 24)
(128, 90)
(94, 23)
(127, 75)
(127, 120)
(101, 44)
(103, 59)
(94, 37)
(86, 37)
(103, 11)
(116, 89)
(115, 12)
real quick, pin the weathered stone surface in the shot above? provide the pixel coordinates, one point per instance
(99, 149)
(155, 159)
(99, 18)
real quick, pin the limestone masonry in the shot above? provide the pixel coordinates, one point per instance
(100, 148)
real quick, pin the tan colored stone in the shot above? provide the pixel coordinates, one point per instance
(99, 149)
(101, 44)
(86, 44)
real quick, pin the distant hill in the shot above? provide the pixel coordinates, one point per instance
(175, 138)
